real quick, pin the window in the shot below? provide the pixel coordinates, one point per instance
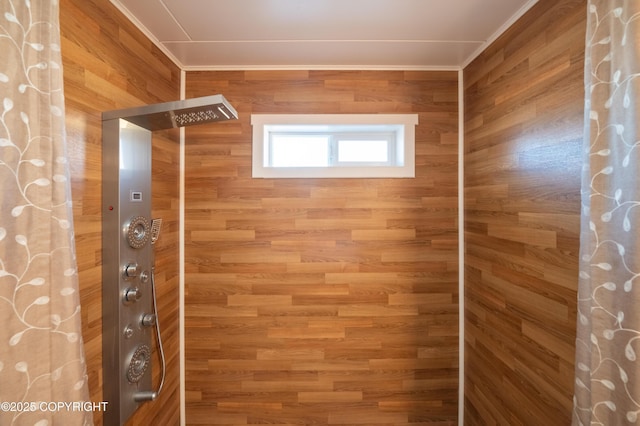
(333, 145)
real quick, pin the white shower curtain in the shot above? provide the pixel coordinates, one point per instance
(607, 386)
(42, 370)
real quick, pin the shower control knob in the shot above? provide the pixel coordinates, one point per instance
(132, 294)
(148, 320)
(131, 270)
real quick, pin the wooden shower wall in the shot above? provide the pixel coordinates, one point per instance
(523, 134)
(322, 301)
(109, 64)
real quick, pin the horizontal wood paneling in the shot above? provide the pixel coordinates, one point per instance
(299, 308)
(322, 301)
(109, 64)
(523, 134)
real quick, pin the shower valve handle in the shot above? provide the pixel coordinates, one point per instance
(148, 320)
(132, 294)
(131, 270)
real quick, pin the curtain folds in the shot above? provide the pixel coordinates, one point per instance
(607, 387)
(41, 354)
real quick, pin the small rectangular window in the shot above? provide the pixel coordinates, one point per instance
(298, 150)
(333, 145)
(370, 150)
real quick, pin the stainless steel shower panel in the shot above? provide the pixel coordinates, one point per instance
(178, 113)
(128, 308)
(127, 263)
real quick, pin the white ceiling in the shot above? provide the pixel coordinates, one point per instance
(322, 34)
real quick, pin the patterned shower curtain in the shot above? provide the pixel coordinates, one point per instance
(607, 386)
(42, 369)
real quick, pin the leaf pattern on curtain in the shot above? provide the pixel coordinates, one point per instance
(607, 386)
(41, 352)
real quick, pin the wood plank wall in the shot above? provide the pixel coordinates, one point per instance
(523, 129)
(109, 64)
(322, 301)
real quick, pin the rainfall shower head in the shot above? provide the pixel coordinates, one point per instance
(177, 114)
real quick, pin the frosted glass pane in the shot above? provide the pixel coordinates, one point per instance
(299, 151)
(363, 151)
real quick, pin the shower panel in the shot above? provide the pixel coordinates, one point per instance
(128, 286)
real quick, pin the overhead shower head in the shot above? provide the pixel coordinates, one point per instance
(177, 114)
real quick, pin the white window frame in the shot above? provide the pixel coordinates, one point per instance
(400, 127)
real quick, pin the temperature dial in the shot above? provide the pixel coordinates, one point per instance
(148, 320)
(131, 270)
(132, 294)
